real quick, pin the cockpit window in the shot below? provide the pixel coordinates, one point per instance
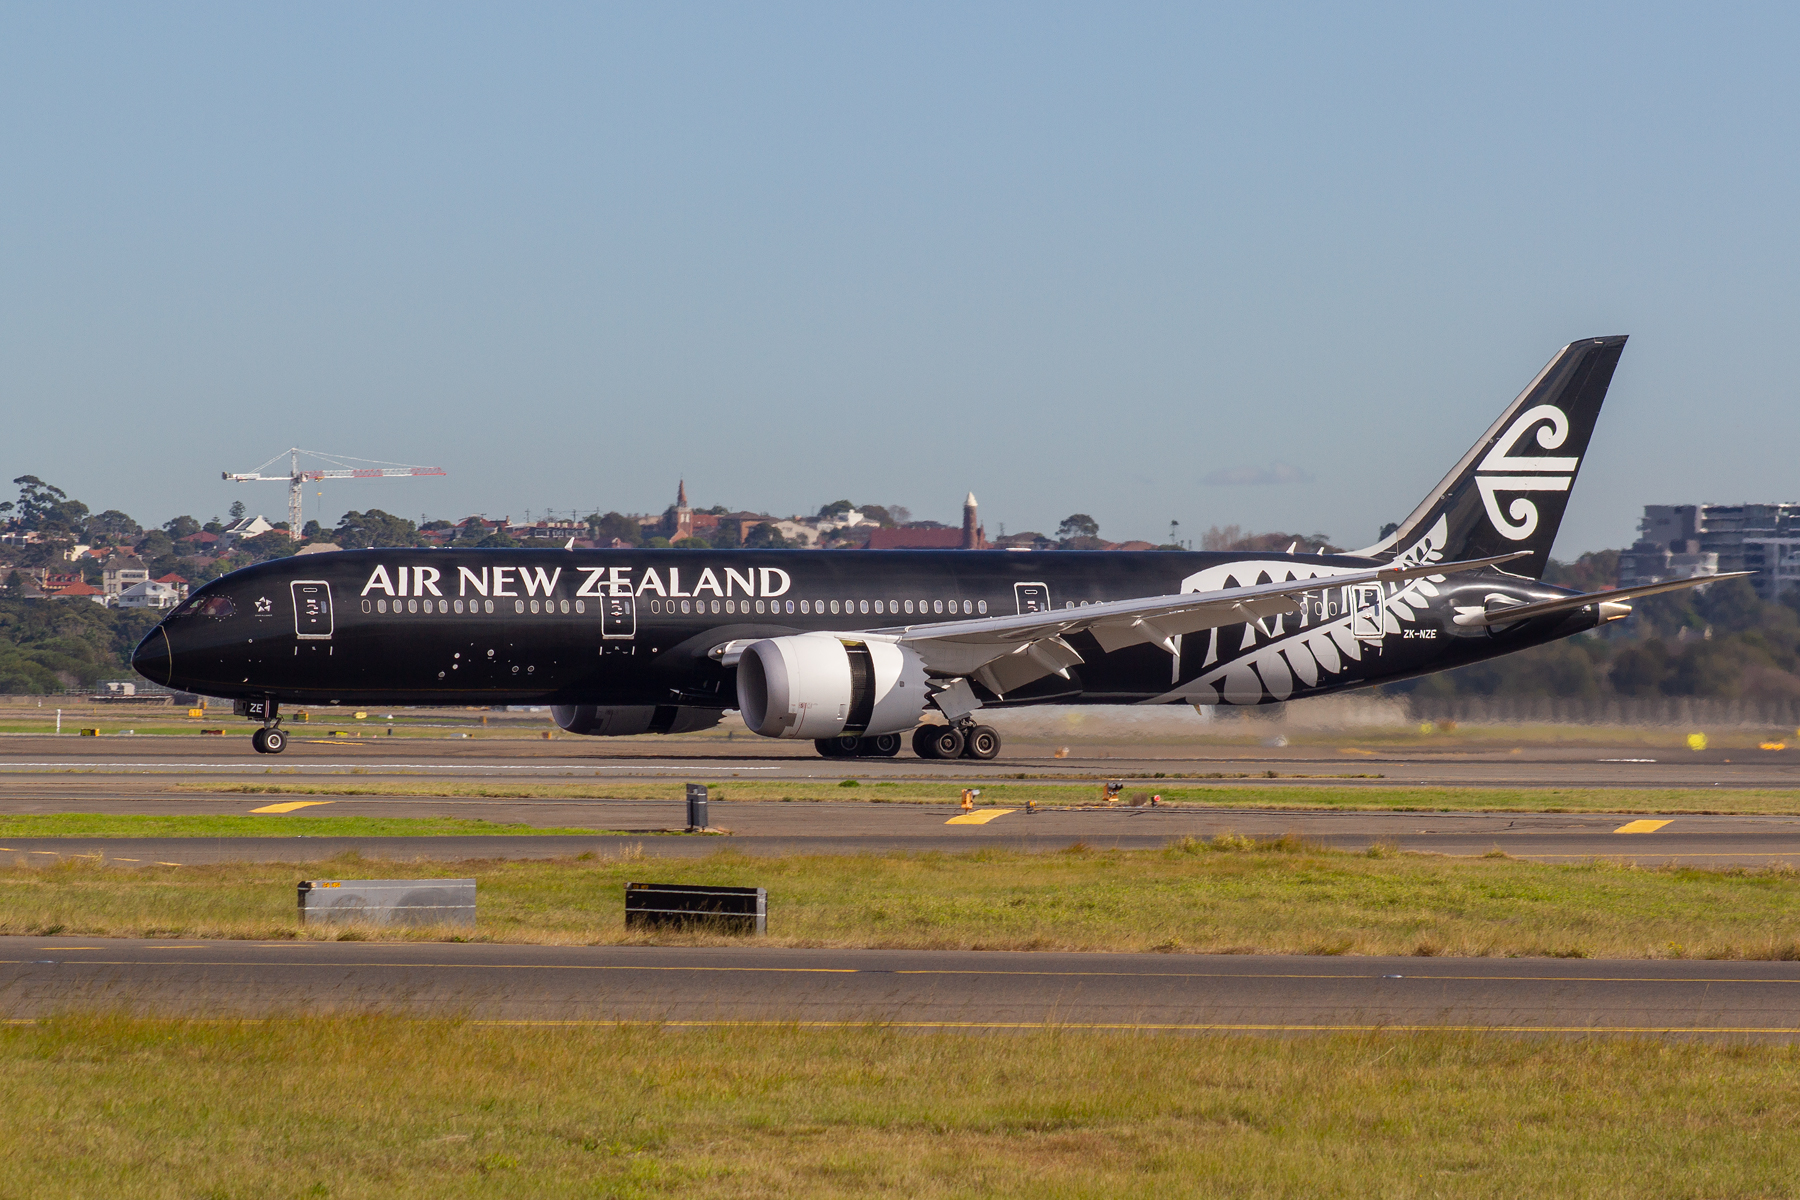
(215, 606)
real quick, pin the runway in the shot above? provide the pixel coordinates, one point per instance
(943, 990)
(1523, 766)
(764, 829)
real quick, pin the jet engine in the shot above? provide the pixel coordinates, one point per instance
(626, 720)
(820, 685)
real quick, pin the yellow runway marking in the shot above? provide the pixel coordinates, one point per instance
(290, 806)
(1640, 827)
(980, 816)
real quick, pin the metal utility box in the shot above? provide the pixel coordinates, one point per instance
(696, 906)
(388, 901)
(696, 798)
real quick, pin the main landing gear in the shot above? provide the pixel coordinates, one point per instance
(882, 745)
(956, 741)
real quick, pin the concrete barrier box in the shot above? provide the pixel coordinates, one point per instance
(388, 901)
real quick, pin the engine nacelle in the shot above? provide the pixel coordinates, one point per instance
(820, 685)
(626, 720)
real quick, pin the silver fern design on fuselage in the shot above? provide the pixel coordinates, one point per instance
(1276, 658)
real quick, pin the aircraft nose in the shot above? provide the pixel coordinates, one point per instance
(152, 658)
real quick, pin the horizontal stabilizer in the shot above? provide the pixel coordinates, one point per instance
(1509, 614)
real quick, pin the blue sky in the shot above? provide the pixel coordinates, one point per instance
(1256, 265)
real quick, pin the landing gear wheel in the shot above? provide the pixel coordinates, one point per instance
(273, 741)
(256, 741)
(981, 741)
(827, 747)
(882, 745)
(938, 741)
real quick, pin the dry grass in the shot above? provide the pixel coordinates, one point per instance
(1231, 895)
(386, 1107)
(1280, 792)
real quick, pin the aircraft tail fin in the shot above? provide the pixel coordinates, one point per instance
(1509, 491)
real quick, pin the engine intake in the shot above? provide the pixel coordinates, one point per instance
(820, 685)
(626, 720)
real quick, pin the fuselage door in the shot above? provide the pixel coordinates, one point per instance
(1032, 597)
(1365, 611)
(312, 609)
(618, 617)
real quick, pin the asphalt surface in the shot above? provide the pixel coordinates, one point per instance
(957, 990)
(1447, 765)
(853, 828)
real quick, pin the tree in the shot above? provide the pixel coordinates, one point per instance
(497, 540)
(1078, 525)
(180, 528)
(114, 525)
(237, 510)
(835, 511)
(265, 546)
(765, 537)
(364, 530)
(155, 544)
(615, 526)
(879, 514)
(692, 543)
(311, 529)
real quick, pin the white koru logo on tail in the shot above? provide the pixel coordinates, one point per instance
(1548, 474)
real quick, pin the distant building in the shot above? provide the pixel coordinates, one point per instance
(1681, 540)
(79, 590)
(150, 594)
(247, 527)
(317, 548)
(117, 574)
(916, 537)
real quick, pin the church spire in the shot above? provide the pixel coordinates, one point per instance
(681, 495)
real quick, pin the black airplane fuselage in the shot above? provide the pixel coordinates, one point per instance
(641, 627)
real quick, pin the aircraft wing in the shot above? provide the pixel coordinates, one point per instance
(1006, 652)
(1507, 614)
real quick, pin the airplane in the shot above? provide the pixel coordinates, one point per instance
(859, 652)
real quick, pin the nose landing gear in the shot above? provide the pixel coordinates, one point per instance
(270, 739)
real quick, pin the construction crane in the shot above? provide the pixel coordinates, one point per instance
(341, 468)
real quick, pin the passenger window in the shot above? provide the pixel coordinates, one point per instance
(981, 606)
(865, 606)
(909, 606)
(487, 606)
(790, 605)
(581, 606)
(381, 606)
(937, 606)
(834, 607)
(518, 606)
(878, 606)
(684, 606)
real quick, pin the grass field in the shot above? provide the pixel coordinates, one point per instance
(110, 825)
(1291, 795)
(385, 1107)
(1227, 896)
